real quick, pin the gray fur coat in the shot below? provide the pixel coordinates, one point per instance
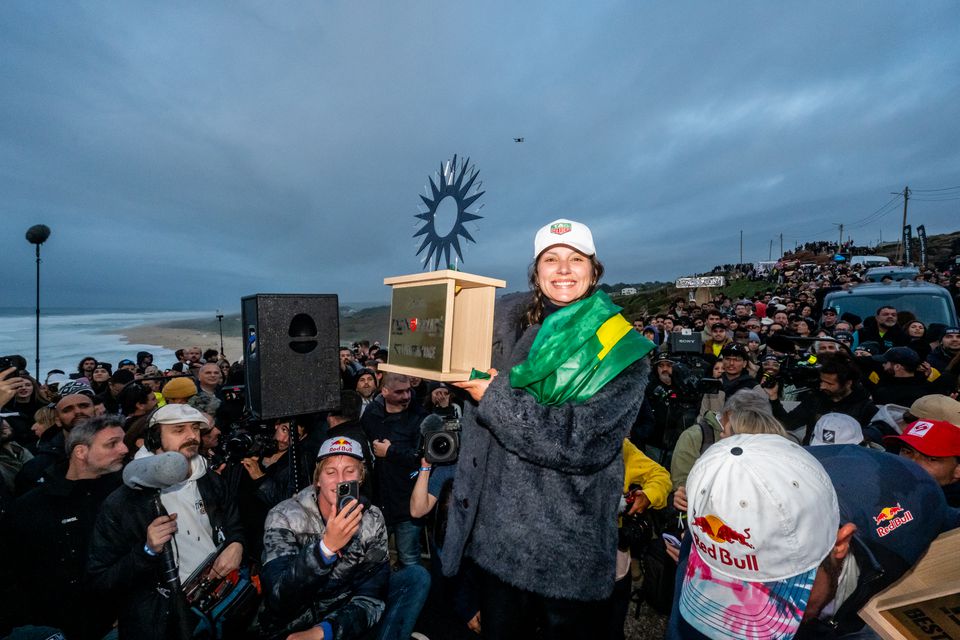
(537, 488)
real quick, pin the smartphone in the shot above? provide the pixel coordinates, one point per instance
(671, 540)
(347, 491)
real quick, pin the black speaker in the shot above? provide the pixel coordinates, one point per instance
(291, 353)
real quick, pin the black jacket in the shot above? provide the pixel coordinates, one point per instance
(50, 452)
(869, 332)
(902, 391)
(46, 538)
(392, 472)
(120, 569)
(858, 405)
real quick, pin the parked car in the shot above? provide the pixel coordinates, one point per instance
(870, 261)
(876, 274)
(930, 303)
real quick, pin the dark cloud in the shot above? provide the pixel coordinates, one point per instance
(186, 154)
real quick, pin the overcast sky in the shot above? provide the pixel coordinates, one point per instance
(186, 154)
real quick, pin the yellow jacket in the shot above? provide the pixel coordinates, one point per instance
(641, 470)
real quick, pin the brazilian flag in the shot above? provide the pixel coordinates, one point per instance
(579, 348)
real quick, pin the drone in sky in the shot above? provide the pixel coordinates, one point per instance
(518, 139)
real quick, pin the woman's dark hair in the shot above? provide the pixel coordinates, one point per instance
(534, 312)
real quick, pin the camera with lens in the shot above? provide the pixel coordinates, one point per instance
(440, 439)
(249, 440)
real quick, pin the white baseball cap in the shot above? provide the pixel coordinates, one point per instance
(763, 514)
(176, 414)
(836, 428)
(341, 446)
(563, 231)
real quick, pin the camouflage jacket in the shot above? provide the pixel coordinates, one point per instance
(301, 590)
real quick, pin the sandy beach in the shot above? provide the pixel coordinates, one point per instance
(179, 337)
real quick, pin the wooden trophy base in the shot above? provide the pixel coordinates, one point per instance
(441, 324)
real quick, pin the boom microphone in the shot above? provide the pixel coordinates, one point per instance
(157, 472)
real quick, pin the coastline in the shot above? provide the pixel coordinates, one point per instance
(174, 338)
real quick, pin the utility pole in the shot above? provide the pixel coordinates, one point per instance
(770, 254)
(906, 196)
(840, 244)
(741, 246)
(781, 245)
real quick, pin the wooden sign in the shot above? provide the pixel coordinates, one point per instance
(925, 602)
(441, 324)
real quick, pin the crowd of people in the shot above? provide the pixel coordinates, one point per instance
(715, 458)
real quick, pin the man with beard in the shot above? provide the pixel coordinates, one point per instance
(948, 349)
(840, 392)
(367, 387)
(198, 516)
(883, 329)
(74, 407)
(49, 530)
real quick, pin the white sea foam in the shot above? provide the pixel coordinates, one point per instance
(67, 337)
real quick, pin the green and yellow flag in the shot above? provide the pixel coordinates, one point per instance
(579, 349)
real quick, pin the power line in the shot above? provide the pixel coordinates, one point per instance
(932, 190)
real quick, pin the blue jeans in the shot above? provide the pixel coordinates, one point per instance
(406, 535)
(409, 587)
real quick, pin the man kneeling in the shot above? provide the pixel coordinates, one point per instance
(326, 572)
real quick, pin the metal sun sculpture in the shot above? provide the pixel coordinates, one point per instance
(457, 182)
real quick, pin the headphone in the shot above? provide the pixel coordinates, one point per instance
(151, 437)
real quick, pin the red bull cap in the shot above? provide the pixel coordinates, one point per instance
(763, 514)
(341, 446)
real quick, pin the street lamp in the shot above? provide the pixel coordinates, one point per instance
(37, 235)
(220, 320)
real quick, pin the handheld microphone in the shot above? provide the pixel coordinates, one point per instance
(157, 472)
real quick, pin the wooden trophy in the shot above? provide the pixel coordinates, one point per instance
(441, 322)
(925, 602)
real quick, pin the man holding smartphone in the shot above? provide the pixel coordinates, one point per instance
(326, 571)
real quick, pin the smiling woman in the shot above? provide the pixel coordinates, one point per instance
(538, 478)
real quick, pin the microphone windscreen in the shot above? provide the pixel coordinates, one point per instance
(157, 472)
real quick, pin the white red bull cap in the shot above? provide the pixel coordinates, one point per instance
(763, 514)
(567, 232)
(341, 446)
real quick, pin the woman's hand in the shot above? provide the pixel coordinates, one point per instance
(476, 388)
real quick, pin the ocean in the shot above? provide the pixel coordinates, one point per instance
(69, 335)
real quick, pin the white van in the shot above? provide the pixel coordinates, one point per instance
(870, 261)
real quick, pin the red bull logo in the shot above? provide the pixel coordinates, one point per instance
(412, 323)
(341, 444)
(891, 518)
(888, 513)
(561, 228)
(719, 531)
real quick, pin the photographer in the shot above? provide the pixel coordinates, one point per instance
(840, 391)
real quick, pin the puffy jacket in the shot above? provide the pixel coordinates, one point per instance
(301, 590)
